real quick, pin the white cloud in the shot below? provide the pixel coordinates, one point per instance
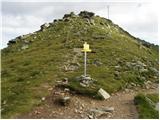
(22, 18)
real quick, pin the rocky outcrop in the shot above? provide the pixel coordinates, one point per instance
(86, 14)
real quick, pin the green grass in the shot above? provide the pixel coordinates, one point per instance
(145, 109)
(24, 72)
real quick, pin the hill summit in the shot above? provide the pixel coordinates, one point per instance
(33, 63)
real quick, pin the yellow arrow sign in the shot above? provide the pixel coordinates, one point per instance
(86, 47)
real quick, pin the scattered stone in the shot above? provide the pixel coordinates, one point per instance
(133, 84)
(108, 109)
(127, 90)
(4, 102)
(117, 67)
(66, 19)
(83, 85)
(77, 51)
(43, 98)
(116, 73)
(25, 47)
(157, 107)
(140, 63)
(103, 94)
(66, 89)
(65, 101)
(69, 15)
(55, 20)
(98, 36)
(50, 89)
(34, 37)
(76, 111)
(98, 112)
(44, 26)
(90, 116)
(154, 70)
(83, 105)
(13, 41)
(97, 62)
(37, 112)
(143, 70)
(143, 78)
(92, 22)
(65, 79)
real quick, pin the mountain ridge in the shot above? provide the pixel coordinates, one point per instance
(33, 63)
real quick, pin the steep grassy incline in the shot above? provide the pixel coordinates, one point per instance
(32, 63)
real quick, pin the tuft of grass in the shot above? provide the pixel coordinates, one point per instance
(145, 109)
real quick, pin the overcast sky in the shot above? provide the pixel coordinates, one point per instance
(18, 18)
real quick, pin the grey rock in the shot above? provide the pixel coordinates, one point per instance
(67, 89)
(86, 14)
(71, 15)
(73, 67)
(44, 26)
(128, 64)
(92, 22)
(97, 62)
(157, 107)
(24, 36)
(116, 73)
(84, 85)
(103, 94)
(25, 47)
(154, 70)
(43, 98)
(143, 78)
(140, 63)
(65, 100)
(90, 116)
(107, 109)
(117, 67)
(142, 70)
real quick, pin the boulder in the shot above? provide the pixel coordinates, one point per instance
(44, 26)
(12, 42)
(69, 15)
(103, 94)
(86, 14)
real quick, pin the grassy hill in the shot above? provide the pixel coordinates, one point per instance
(32, 63)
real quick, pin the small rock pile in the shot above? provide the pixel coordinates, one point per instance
(85, 81)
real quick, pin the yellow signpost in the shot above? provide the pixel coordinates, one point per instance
(85, 50)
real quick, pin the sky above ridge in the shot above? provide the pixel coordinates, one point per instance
(19, 18)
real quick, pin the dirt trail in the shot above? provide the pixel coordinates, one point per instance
(80, 105)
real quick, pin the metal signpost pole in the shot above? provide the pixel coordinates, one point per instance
(85, 50)
(85, 60)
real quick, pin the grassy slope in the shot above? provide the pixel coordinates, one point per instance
(25, 72)
(145, 110)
